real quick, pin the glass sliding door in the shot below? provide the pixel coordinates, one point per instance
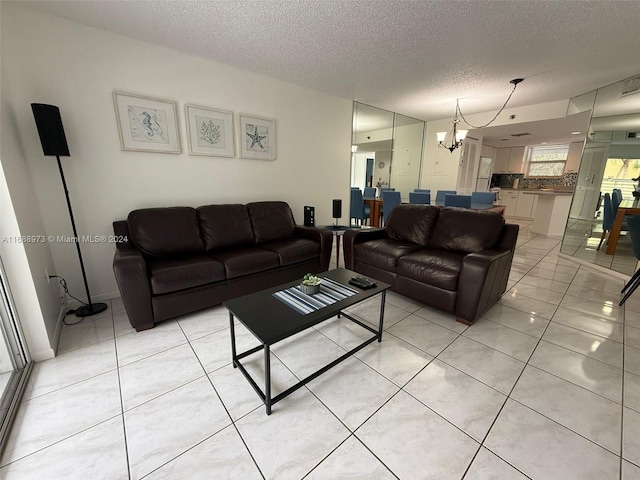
(15, 364)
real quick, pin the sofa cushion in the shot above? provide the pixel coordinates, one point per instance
(178, 273)
(271, 220)
(438, 268)
(293, 250)
(466, 230)
(161, 232)
(383, 253)
(246, 261)
(225, 226)
(413, 223)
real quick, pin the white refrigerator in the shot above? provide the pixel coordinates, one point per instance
(485, 169)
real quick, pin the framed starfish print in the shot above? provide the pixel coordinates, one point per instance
(257, 137)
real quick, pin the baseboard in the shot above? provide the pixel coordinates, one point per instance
(103, 297)
(56, 336)
(44, 354)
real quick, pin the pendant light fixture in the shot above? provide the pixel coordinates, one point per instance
(457, 136)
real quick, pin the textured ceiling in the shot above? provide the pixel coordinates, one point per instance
(411, 57)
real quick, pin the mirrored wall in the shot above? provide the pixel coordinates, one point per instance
(610, 160)
(386, 149)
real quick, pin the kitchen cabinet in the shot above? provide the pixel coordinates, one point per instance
(509, 160)
(509, 198)
(524, 207)
(502, 160)
(516, 157)
(487, 151)
(517, 203)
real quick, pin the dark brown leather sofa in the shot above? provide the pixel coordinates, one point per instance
(456, 260)
(178, 260)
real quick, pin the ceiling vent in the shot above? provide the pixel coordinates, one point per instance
(520, 134)
(630, 86)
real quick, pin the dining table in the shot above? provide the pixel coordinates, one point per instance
(375, 209)
(626, 207)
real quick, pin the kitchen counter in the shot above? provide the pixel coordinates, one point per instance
(547, 192)
(551, 212)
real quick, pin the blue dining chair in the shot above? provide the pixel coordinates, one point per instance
(387, 189)
(423, 198)
(633, 221)
(483, 197)
(389, 200)
(359, 211)
(369, 192)
(440, 195)
(616, 198)
(463, 201)
(608, 217)
(422, 190)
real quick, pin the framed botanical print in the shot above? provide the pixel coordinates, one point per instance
(210, 131)
(146, 124)
(257, 137)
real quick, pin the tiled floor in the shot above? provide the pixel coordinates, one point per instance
(581, 241)
(545, 386)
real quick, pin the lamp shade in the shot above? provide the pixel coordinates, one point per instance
(461, 134)
(337, 208)
(50, 129)
(441, 136)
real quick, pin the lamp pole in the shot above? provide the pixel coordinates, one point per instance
(91, 308)
(54, 143)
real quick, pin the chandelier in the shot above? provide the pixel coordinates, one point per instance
(457, 136)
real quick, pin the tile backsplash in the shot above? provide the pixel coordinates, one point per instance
(505, 180)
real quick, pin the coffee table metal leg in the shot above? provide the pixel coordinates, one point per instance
(382, 301)
(233, 341)
(267, 378)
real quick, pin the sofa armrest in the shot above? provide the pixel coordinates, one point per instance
(130, 269)
(482, 280)
(323, 237)
(351, 237)
(509, 237)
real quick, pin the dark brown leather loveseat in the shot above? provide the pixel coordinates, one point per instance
(456, 260)
(178, 260)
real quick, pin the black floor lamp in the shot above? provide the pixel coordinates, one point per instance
(54, 142)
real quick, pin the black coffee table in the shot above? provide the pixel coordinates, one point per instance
(270, 320)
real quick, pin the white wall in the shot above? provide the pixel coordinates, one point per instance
(52, 60)
(405, 171)
(37, 302)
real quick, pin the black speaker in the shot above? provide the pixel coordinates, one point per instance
(337, 208)
(50, 129)
(309, 216)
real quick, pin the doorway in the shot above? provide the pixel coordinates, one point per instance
(369, 172)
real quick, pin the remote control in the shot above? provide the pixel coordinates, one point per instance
(362, 282)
